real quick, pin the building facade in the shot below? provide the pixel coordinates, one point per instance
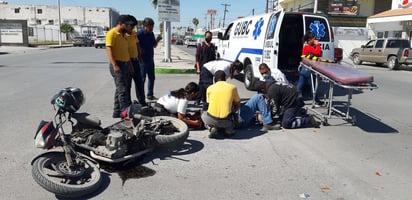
(43, 20)
(396, 22)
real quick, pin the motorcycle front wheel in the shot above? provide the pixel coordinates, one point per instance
(52, 172)
(175, 139)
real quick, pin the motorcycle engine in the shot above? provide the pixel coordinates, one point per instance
(115, 145)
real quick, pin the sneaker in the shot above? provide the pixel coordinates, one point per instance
(268, 127)
(313, 122)
(152, 98)
(213, 132)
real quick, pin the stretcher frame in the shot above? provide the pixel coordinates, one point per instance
(315, 77)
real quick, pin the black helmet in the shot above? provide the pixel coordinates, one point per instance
(69, 99)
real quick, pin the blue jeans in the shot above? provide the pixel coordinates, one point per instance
(304, 78)
(122, 93)
(257, 103)
(149, 69)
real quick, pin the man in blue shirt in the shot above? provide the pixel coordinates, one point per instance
(147, 44)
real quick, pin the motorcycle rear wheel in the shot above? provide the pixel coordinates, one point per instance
(51, 172)
(175, 139)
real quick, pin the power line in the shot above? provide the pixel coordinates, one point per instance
(224, 12)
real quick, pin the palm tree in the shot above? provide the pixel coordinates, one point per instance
(66, 29)
(195, 21)
(154, 3)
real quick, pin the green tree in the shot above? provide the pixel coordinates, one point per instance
(154, 3)
(195, 21)
(66, 29)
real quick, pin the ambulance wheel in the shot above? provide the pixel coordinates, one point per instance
(249, 77)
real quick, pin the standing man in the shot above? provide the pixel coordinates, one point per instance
(118, 54)
(224, 101)
(147, 44)
(135, 56)
(205, 52)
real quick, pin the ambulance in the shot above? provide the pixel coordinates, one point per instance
(275, 39)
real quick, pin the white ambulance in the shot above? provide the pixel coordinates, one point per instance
(275, 39)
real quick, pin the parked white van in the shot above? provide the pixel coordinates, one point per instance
(275, 39)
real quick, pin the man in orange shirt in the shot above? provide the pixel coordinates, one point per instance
(118, 55)
(135, 56)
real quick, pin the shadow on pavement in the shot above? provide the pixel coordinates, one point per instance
(364, 121)
(371, 124)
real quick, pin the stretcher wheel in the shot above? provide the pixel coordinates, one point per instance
(353, 120)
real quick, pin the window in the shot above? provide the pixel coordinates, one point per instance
(51, 22)
(38, 21)
(379, 44)
(397, 34)
(17, 10)
(386, 34)
(39, 11)
(370, 44)
(380, 34)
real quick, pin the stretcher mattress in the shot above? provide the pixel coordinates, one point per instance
(339, 73)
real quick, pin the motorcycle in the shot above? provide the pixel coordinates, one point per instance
(70, 167)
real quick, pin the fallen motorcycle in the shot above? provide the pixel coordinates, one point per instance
(70, 167)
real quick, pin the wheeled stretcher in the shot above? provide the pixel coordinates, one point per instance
(342, 76)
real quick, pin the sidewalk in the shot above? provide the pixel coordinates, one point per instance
(182, 62)
(23, 49)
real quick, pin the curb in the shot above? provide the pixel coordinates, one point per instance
(174, 71)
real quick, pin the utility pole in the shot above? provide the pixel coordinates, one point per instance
(60, 25)
(224, 12)
(267, 5)
(212, 13)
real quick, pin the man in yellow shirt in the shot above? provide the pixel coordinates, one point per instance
(118, 55)
(134, 52)
(223, 99)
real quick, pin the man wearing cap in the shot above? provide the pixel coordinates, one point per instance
(147, 44)
(118, 55)
(223, 99)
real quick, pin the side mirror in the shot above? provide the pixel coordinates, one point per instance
(362, 46)
(220, 36)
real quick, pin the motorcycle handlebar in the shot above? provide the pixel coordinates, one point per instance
(140, 116)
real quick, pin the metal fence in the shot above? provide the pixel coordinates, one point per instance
(44, 34)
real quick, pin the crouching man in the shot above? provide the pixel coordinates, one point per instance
(286, 97)
(223, 101)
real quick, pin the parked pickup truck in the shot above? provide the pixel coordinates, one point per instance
(392, 51)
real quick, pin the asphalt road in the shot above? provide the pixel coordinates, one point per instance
(371, 160)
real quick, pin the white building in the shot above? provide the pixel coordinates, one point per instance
(43, 20)
(396, 22)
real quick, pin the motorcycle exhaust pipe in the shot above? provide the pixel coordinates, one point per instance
(124, 158)
(140, 116)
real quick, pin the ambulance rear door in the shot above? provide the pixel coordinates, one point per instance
(320, 27)
(271, 44)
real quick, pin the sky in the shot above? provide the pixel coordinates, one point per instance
(189, 9)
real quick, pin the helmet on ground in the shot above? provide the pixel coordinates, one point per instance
(69, 99)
